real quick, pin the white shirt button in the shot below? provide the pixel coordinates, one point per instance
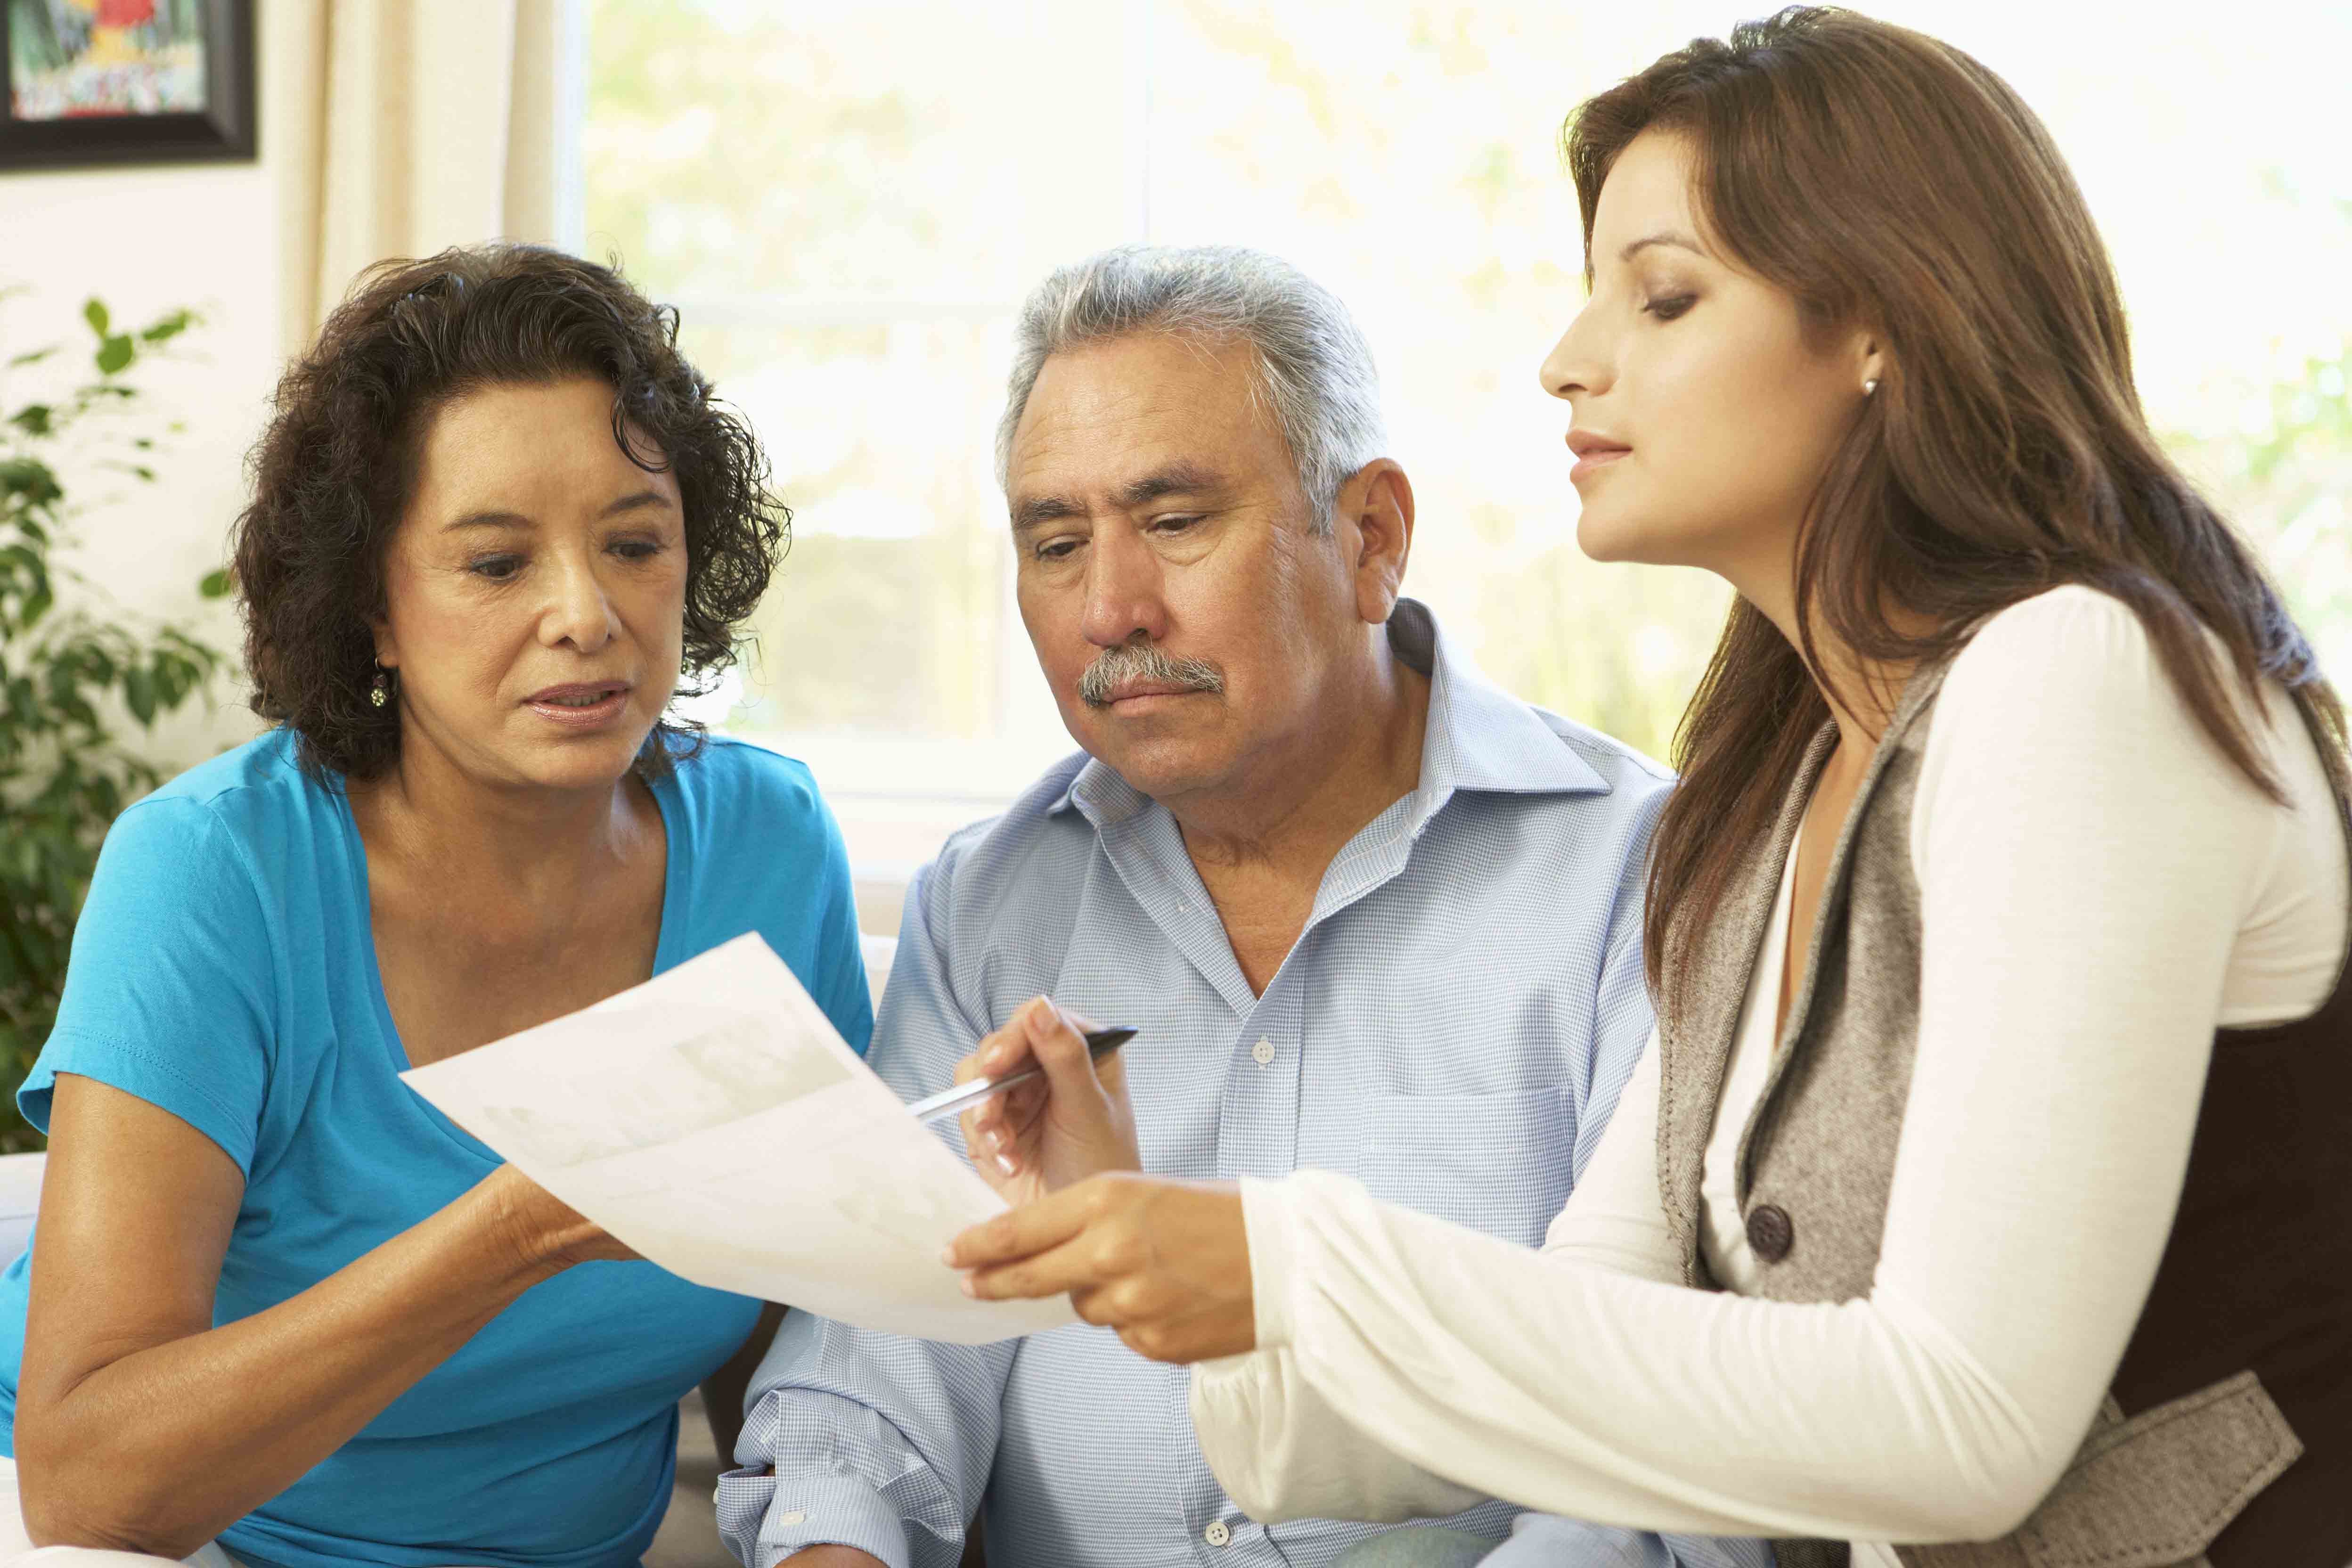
(796, 1517)
(1261, 1053)
(1217, 1534)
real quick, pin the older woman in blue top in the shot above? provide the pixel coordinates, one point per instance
(277, 1303)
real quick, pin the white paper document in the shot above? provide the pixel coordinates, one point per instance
(715, 1121)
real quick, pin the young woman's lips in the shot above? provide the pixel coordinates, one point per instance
(587, 705)
(1594, 459)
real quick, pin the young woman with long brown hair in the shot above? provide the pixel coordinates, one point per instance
(1992, 1180)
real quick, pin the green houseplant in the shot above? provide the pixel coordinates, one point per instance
(67, 681)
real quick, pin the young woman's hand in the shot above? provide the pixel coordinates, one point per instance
(1165, 1263)
(1047, 1133)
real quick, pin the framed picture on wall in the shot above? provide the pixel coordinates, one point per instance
(125, 81)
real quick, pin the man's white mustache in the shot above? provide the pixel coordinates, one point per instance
(1114, 667)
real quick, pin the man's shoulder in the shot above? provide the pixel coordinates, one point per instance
(1605, 817)
(988, 919)
(1039, 816)
(1620, 766)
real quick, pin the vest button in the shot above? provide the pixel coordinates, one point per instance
(1770, 1233)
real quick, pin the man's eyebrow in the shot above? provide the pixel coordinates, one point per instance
(1177, 478)
(1663, 236)
(1038, 510)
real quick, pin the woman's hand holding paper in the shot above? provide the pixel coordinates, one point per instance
(1166, 1263)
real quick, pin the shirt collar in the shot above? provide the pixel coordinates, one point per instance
(1478, 737)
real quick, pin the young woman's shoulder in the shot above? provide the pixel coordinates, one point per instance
(2072, 662)
(2069, 688)
(2075, 624)
(2059, 728)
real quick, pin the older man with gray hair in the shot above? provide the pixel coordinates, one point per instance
(1369, 912)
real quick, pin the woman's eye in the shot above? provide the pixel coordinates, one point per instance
(636, 549)
(495, 568)
(1668, 309)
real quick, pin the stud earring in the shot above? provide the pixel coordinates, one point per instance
(1870, 387)
(379, 689)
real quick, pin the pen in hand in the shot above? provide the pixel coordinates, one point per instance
(1101, 1043)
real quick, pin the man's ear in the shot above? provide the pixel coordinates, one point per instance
(1375, 516)
(1379, 502)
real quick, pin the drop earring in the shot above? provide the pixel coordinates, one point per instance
(379, 689)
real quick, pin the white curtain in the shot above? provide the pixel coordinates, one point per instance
(426, 124)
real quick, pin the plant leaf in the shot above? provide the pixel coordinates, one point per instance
(30, 477)
(138, 691)
(71, 680)
(166, 327)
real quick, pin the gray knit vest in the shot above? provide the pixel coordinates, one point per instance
(2198, 1456)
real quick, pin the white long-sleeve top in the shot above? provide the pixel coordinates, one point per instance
(2100, 890)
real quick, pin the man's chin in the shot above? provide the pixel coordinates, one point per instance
(1162, 765)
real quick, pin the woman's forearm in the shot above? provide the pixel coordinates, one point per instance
(161, 1448)
(1576, 1390)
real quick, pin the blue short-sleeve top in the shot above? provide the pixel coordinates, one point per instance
(224, 968)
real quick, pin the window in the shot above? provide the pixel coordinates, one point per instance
(848, 203)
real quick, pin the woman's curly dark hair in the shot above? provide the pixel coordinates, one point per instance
(333, 473)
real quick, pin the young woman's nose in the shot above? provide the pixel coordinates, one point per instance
(1576, 363)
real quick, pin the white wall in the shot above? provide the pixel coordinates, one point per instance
(225, 239)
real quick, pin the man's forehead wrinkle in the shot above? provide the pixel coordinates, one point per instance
(1107, 431)
(1143, 396)
(1102, 403)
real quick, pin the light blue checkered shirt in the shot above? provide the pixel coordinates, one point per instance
(1451, 1028)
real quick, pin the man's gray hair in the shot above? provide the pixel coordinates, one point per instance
(1313, 371)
